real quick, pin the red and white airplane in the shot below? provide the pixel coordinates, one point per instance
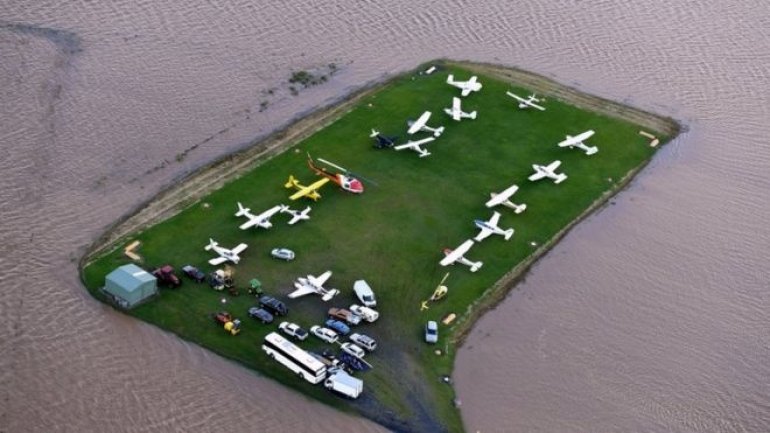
(456, 256)
(313, 285)
(416, 146)
(503, 198)
(345, 179)
(490, 227)
(421, 125)
(261, 220)
(456, 112)
(526, 102)
(542, 171)
(224, 253)
(467, 87)
(577, 141)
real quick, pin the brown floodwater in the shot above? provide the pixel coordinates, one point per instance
(652, 315)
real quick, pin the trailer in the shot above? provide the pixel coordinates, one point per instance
(341, 382)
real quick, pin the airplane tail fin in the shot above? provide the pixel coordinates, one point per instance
(560, 178)
(423, 153)
(472, 115)
(242, 210)
(211, 245)
(519, 208)
(508, 234)
(591, 150)
(284, 208)
(374, 133)
(438, 131)
(291, 183)
(450, 79)
(475, 266)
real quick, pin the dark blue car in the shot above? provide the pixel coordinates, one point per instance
(337, 326)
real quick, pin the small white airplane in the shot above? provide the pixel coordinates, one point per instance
(528, 102)
(503, 198)
(457, 112)
(491, 228)
(467, 87)
(261, 220)
(416, 146)
(224, 253)
(577, 141)
(311, 284)
(548, 171)
(421, 125)
(456, 256)
(296, 215)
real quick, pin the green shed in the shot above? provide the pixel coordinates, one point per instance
(130, 285)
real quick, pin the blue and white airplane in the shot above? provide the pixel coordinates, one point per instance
(490, 227)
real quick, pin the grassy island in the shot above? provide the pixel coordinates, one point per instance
(392, 235)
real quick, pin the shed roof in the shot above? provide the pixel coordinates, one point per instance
(130, 277)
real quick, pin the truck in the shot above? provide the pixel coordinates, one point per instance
(342, 383)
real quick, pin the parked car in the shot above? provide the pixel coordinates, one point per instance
(196, 274)
(293, 330)
(353, 350)
(346, 315)
(364, 293)
(275, 306)
(282, 253)
(364, 341)
(431, 332)
(324, 334)
(261, 314)
(365, 312)
(337, 326)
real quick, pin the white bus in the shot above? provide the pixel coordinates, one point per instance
(296, 359)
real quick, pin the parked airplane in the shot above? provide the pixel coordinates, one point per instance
(456, 256)
(548, 171)
(261, 220)
(310, 191)
(528, 102)
(421, 125)
(224, 253)
(503, 198)
(467, 87)
(456, 111)
(382, 141)
(296, 215)
(416, 146)
(577, 141)
(346, 181)
(490, 227)
(311, 284)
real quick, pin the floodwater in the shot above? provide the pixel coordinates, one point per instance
(652, 315)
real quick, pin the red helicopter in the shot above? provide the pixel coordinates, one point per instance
(345, 179)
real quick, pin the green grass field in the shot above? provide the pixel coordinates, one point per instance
(391, 236)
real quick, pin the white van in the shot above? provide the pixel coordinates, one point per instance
(364, 293)
(365, 312)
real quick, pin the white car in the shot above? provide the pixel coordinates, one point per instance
(293, 330)
(365, 312)
(431, 332)
(353, 350)
(324, 334)
(364, 341)
(364, 293)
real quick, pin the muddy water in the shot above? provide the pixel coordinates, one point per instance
(650, 316)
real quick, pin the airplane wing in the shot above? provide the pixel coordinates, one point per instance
(553, 166)
(457, 253)
(301, 290)
(533, 105)
(539, 174)
(320, 280)
(494, 220)
(515, 96)
(250, 223)
(419, 123)
(217, 261)
(483, 234)
(239, 248)
(414, 144)
(308, 189)
(466, 91)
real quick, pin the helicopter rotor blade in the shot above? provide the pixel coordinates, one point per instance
(331, 164)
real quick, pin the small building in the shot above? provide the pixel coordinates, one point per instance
(130, 285)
